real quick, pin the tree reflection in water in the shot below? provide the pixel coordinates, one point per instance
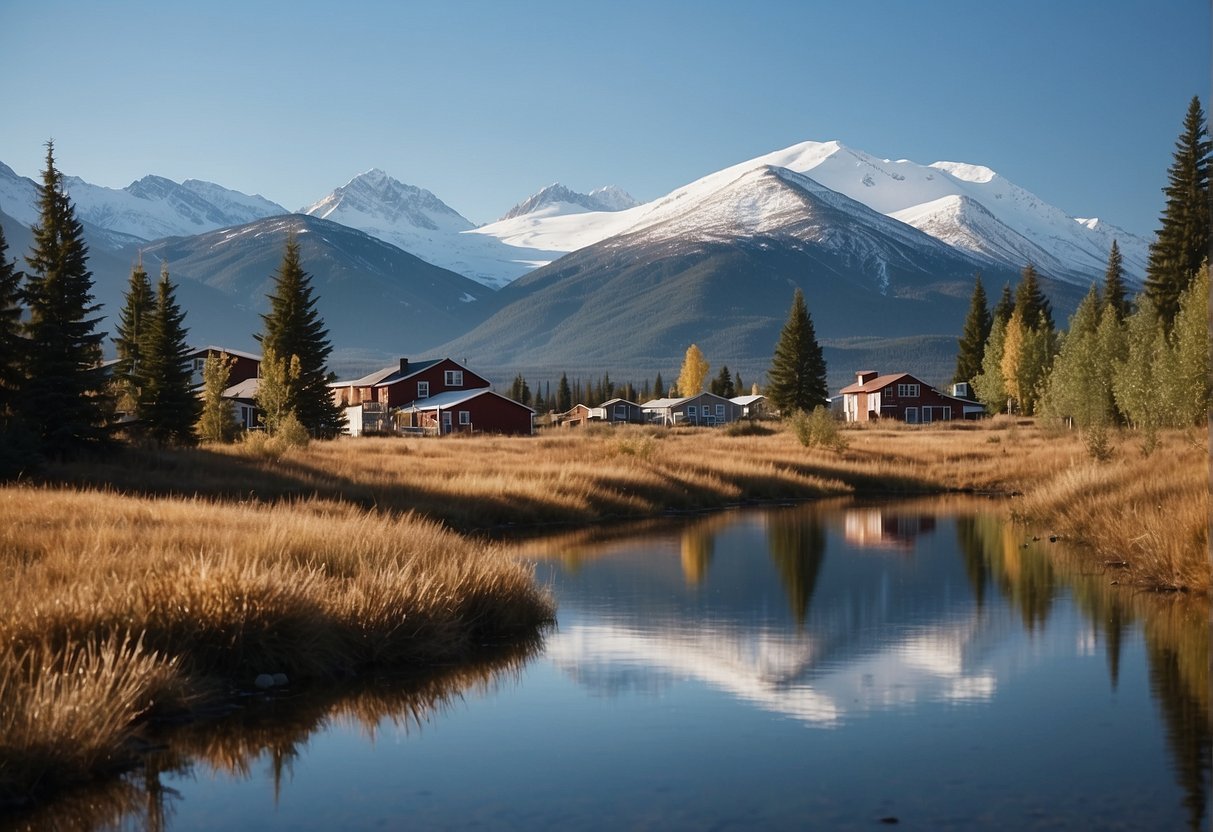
(273, 729)
(797, 543)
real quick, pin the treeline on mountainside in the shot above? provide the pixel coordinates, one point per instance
(1141, 363)
(58, 399)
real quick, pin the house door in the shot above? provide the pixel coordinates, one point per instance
(926, 415)
(446, 421)
(911, 415)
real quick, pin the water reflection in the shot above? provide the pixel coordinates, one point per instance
(786, 611)
(269, 733)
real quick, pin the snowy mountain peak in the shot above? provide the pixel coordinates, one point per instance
(966, 172)
(375, 199)
(557, 200)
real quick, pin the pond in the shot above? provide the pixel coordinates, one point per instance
(815, 666)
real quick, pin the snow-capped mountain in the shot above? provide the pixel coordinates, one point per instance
(417, 221)
(966, 206)
(148, 209)
(556, 199)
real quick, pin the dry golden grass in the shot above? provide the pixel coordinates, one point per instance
(127, 603)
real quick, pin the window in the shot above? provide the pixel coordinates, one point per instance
(621, 411)
(911, 415)
(691, 411)
(719, 411)
(423, 389)
(907, 391)
(465, 417)
(454, 378)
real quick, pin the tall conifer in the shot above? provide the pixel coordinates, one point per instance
(1031, 302)
(972, 343)
(137, 310)
(63, 395)
(293, 328)
(1004, 308)
(1115, 296)
(1182, 243)
(168, 408)
(798, 369)
(12, 345)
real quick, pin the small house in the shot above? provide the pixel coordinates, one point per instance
(479, 410)
(706, 409)
(752, 407)
(407, 381)
(902, 397)
(619, 411)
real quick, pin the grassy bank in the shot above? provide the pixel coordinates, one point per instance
(116, 608)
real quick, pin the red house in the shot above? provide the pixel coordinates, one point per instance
(404, 383)
(903, 397)
(438, 395)
(243, 365)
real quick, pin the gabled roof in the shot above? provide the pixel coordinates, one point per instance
(879, 383)
(246, 389)
(618, 400)
(454, 398)
(239, 353)
(746, 400)
(389, 375)
(660, 404)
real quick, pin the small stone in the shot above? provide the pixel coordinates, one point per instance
(264, 681)
(280, 679)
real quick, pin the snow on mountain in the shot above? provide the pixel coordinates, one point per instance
(964, 205)
(148, 209)
(557, 200)
(417, 221)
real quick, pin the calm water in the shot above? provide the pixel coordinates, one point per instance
(808, 667)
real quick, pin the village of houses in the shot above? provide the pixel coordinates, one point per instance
(441, 396)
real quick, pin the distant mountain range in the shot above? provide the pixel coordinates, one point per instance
(884, 250)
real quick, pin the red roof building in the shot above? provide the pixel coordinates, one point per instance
(903, 397)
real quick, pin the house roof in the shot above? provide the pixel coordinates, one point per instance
(659, 404)
(212, 348)
(389, 375)
(454, 398)
(745, 400)
(617, 400)
(246, 389)
(878, 383)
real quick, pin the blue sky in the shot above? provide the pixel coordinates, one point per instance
(485, 102)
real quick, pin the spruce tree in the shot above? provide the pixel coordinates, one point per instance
(12, 345)
(217, 422)
(1004, 307)
(797, 378)
(1114, 294)
(659, 391)
(722, 385)
(1182, 242)
(293, 328)
(64, 396)
(138, 307)
(564, 394)
(168, 408)
(1031, 302)
(972, 343)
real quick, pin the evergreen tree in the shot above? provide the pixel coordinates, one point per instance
(12, 345)
(1114, 293)
(693, 373)
(659, 390)
(797, 378)
(989, 385)
(168, 408)
(294, 328)
(1182, 242)
(138, 307)
(217, 422)
(64, 394)
(722, 385)
(739, 385)
(564, 395)
(1031, 302)
(1004, 307)
(972, 343)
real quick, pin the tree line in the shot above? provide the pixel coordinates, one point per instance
(1140, 362)
(58, 399)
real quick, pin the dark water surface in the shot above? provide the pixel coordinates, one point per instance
(808, 667)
